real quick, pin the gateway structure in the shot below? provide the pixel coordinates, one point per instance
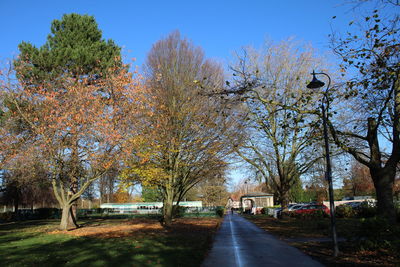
(256, 200)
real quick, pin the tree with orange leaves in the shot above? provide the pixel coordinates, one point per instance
(360, 182)
(70, 104)
(79, 126)
(121, 196)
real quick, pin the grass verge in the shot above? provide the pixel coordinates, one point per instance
(110, 242)
(311, 236)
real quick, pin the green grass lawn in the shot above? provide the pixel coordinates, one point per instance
(30, 244)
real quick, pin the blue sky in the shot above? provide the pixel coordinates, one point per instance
(220, 27)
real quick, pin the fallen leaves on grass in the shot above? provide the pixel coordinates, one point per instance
(348, 256)
(290, 227)
(109, 231)
(140, 226)
(350, 253)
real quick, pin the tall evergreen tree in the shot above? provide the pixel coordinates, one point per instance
(75, 45)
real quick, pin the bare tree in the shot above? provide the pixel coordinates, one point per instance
(213, 189)
(181, 142)
(280, 130)
(107, 183)
(370, 55)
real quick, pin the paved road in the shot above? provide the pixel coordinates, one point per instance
(241, 243)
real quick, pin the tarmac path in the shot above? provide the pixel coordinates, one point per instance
(241, 243)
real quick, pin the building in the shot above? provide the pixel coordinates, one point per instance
(256, 200)
(233, 203)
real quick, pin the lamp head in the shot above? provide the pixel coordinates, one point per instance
(315, 83)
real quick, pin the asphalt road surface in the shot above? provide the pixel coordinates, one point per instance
(241, 243)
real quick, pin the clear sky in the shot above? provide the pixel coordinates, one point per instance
(219, 26)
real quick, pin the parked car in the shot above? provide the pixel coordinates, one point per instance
(306, 209)
(290, 207)
(295, 207)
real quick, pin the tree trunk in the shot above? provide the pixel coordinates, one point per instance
(383, 181)
(167, 213)
(68, 221)
(73, 215)
(16, 206)
(75, 175)
(168, 207)
(64, 225)
(16, 203)
(74, 205)
(284, 197)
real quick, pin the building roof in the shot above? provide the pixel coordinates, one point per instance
(257, 194)
(234, 198)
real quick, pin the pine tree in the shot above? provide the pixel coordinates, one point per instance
(75, 45)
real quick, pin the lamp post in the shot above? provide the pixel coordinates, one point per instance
(316, 84)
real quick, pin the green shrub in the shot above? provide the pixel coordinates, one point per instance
(378, 233)
(179, 211)
(7, 216)
(318, 214)
(220, 211)
(344, 211)
(312, 215)
(100, 210)
(274, 207)
(47, 213)
(365, 210)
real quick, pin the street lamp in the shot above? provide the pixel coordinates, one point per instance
(316, 84)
